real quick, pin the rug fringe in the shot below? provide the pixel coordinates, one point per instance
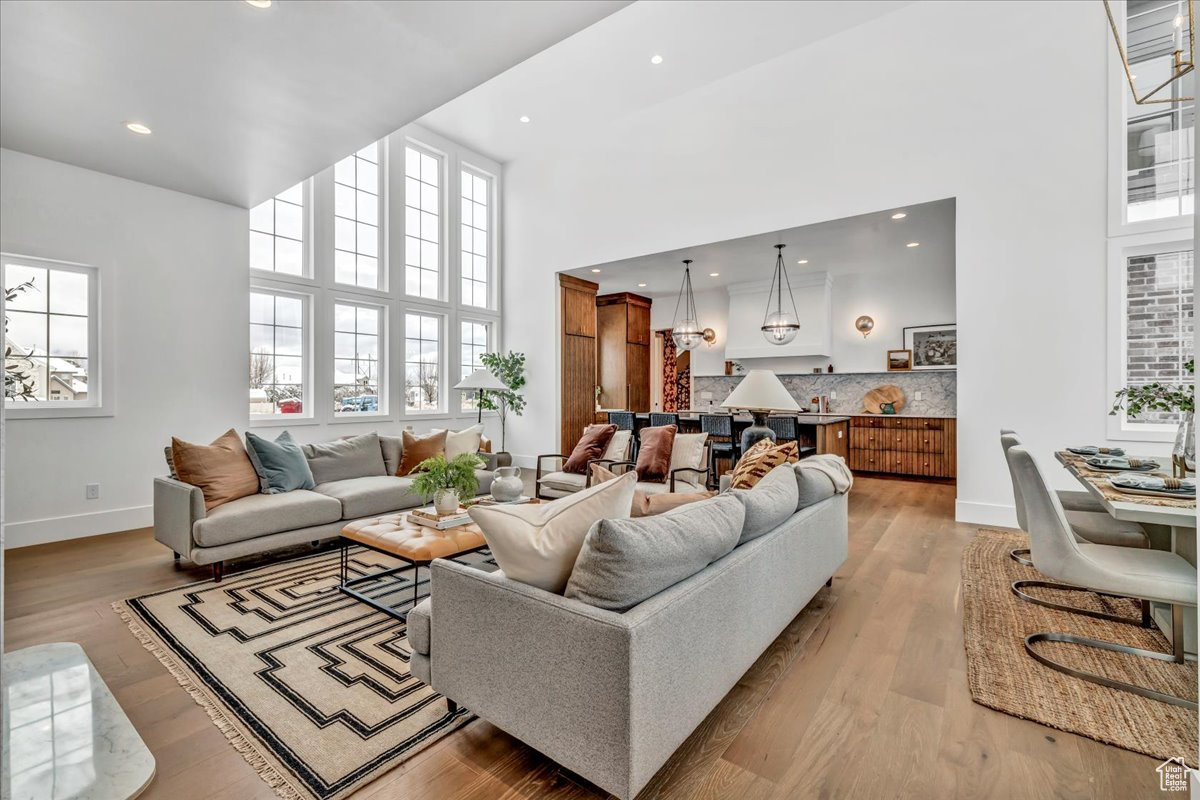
(243, 744)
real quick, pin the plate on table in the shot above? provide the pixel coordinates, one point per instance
(1121, 464)
(1153, 486)
(1092, 450)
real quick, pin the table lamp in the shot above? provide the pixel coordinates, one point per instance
(760, 393)
(482, 380)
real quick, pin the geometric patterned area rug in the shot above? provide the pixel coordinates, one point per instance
(311, 686)
(1001, 675)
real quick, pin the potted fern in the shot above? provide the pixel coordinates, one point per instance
(448, 482)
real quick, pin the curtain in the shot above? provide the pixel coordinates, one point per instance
(670, 381)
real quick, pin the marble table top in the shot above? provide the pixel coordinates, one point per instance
(65, 736)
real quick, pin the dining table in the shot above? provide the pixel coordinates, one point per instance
(1174, 513)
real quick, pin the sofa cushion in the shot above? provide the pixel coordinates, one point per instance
(812, 486)
(418, 627)
(537, 543)
(688, 451)
(392, 448)
(564, 481)
(768, 503)
(418, 448)
(280, 464)
(485, 478)
(657, 501)
(264, 514)
(625, 561)
(370, 496)
(342, 459)
(465, 441)
(222, 469)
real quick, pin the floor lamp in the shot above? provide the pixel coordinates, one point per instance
(482, 380)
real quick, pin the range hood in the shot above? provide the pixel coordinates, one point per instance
(814, 304)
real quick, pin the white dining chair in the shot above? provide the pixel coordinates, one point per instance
(1149, 575)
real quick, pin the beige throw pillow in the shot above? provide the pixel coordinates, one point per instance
(618, 447)
(648, 505)
(537, 543)
(464, 441)
(688, 451)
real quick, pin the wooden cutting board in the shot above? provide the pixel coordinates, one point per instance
(888, 393)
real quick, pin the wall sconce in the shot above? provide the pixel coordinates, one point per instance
(709, 336)
(864, 325)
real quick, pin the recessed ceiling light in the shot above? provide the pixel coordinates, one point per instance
(802, 261)
(595, 270)
(641, 286)
(138, 128)
(899, 215)
(524, 118)
(656, 59)
(714, 274)
(259, 3)
(913, 244)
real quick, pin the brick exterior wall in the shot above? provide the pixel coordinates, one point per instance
(1159, 321)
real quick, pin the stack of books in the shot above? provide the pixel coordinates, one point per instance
(431, 519)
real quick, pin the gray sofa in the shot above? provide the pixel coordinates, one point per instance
(611, 695)
(262, 522)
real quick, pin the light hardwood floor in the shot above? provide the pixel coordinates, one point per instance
(863, 696)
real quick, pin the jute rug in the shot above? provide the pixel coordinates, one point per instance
(1001, 675)
(310, 685)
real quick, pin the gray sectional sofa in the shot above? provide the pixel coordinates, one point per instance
(346, 491)
(608, 694)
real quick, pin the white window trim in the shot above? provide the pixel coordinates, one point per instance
(1119, 251)
(383, 357)
(307, 274)
(307, 416)
(445, 212)
(492, 327)
(101, 400)
(493, 295)
(444, 322)
(383, 218)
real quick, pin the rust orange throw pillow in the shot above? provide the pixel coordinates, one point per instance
(222, 469)
(762, 457)
(654, 454)
(419, 448)
(591, 445)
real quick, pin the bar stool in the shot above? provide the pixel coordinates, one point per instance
(626, 421)
(659, 418)
(721, 442)
(787, 429)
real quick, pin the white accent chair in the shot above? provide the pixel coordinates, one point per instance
(557, 483)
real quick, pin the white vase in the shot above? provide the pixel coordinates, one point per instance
(446, 501)
(507, 485)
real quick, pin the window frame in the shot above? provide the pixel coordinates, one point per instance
(101, 400)
(491, 289)
(307, 266)
(444, 212)
(1120, 250)
(382, 357)
(382, 168)
(443, 320)
(490, 326)
(308, 386)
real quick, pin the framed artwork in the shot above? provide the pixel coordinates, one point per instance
(899, 360)
(933, 346)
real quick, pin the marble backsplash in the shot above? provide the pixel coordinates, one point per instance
(939, 390)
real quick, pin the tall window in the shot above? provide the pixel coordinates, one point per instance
(422, 362)
(50, 334)
(1158, 322)
(1160, 142)
(357, 377)
(277, 233)
(472, 347)
(356, 219)
(474, 232)
(422, 224)
(278, 353)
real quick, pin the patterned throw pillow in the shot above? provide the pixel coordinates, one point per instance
(760, 459)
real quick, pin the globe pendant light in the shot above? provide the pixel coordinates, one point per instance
(687, 332)
(780, 326)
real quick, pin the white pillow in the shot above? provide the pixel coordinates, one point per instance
(537, 543)
(618, 446)
(688, 451)
(464, 441)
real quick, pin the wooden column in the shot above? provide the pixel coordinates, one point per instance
(578, 368)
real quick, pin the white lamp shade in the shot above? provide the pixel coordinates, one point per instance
(761, 390)
(480, 379)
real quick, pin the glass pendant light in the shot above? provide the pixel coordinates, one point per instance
(688, 333)
(779, 325)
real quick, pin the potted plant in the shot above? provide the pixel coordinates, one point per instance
(1137, 400)
(448, 482)
(510, 369)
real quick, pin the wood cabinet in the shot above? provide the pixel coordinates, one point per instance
(578, 350)
(834, 438)
(904, 445)
(623, 350)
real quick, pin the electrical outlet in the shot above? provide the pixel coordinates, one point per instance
(92, 491)
(840, 434)
(916, 395)
(832, 395)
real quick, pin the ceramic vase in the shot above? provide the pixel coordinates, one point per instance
(507, 485)
(446, 501)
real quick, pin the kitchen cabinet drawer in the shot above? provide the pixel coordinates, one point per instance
(898, 462)
(913, 441)
(894, 422)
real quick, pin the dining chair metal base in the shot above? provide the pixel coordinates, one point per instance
(1100, 644)
(1021, 556)
(1018, 588)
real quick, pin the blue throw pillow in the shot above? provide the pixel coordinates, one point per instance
(281, 465)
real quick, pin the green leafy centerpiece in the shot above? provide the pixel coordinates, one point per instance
(448, 482)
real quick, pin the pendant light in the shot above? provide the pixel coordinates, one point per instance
(780, 326)
(687, 332)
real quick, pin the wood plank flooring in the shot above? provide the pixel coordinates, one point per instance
(863, 696)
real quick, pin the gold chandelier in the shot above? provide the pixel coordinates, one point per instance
(1181, 65)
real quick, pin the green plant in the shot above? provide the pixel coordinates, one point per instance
(436, 475)
(510, 369)
(1136, 400)
(18, 380)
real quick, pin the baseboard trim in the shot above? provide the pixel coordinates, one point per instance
(76, 526)
(1004, 516)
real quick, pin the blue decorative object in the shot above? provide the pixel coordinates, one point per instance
(281, 465)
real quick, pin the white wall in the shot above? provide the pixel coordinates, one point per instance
(905, 108)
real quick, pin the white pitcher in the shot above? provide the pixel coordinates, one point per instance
(507, 485)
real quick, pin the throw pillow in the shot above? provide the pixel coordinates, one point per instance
(280, 464)
(464, 441)
(760, 459)
(419, 448)
(222, 469)
(625, 561)
(485, 444)
(618, 447)
(537, 543)
(688, 451)
(769, 502)
(342, 459)
(647, 505)
(654, 455)
(392, 448)
(812, 486)
(591, 445)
